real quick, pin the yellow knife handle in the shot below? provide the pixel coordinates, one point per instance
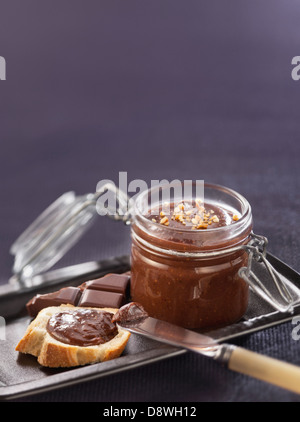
(264, 368)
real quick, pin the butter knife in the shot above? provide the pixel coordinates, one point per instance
(259, 366)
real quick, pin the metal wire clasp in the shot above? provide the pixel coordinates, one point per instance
(278, 294)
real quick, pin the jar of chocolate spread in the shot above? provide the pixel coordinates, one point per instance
(193, 258)
(186, 257)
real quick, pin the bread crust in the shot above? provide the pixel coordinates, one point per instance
(54, 354)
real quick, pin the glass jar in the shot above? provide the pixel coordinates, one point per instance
(194, 278)
(191, 277)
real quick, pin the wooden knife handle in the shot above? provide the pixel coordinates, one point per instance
(264, 368)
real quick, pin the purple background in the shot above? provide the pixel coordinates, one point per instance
(160, 89)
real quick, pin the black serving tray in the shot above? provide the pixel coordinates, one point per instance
(21, 375)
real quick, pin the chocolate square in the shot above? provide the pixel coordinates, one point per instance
(101, 299)
(64, 296)
(117, 283)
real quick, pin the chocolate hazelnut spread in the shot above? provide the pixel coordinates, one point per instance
(191, 215)
(82, 327)
(185, 263)
(131, 312)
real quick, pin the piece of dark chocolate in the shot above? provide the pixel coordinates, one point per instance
(117, 283)
(110, 291)
(100, 299)
(64, 296)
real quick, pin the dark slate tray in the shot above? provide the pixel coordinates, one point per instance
(21, 375)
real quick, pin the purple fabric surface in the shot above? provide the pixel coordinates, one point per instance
(175, 90)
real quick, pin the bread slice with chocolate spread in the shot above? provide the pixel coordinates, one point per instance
(58, 339)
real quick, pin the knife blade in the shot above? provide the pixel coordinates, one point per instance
(132, 317)
(171, 334)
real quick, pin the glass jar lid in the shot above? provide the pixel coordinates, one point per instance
(59, 228)
(52, 234)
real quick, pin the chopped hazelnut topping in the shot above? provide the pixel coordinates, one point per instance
(196, 217)
(202, 226)
(164, 221)
(192, 215)
(215, 219)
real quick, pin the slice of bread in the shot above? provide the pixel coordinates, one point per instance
(53, 353)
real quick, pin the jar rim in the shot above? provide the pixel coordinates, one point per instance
(240, 223)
